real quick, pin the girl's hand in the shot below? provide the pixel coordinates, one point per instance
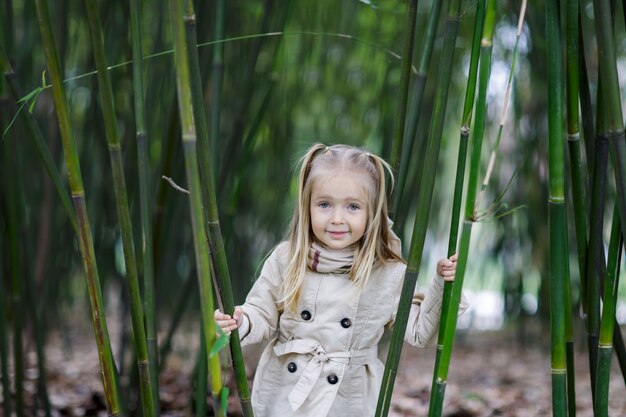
(228, 323)
(446, 268)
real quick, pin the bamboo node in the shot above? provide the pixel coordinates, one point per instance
(559, 371)
(557, 200)
(573, 137)
(190, 18)
(486, 43)
(142, 364)
(465, 130)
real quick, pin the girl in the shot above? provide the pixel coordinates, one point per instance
(325, 296)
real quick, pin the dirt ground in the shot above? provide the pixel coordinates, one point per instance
(491, 374)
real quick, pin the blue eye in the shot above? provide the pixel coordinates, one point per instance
(324, 204)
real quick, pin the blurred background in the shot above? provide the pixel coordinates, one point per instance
(295, 72)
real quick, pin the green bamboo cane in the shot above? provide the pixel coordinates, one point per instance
(466, 120)
(201, 378)
(197, 216)
(586, 110)
(121, 199)
(217, 77)
(42, 389)
(558, 242)
(423, 209)
(145, 203)
(4, 354)
(17, 304)
(12, 211)
(400, 120)
(449, 325)
(35, 135)
(181, 305)
(4, 338)
(595, 257)
(78, 198)
(588, 130)
(218, 254)
(578, 185)
(605, 346)
(610, 87)
(416, 103)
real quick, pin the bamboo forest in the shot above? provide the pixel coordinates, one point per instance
(149, 165)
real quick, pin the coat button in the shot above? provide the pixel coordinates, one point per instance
(332, 379)
(306, 315)
(346, 323)
(292, 367)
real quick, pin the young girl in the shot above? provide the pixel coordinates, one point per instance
(325, 296)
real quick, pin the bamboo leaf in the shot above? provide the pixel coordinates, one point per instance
(224, 399)
(220, 343)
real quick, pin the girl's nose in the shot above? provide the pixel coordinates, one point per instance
(337, 216)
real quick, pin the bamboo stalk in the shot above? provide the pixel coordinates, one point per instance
(4, 332)
(595, 257)
(217, 77)
(578, 185)
(610, 87)
(201, 378)
(605, 346)
(145, 204)
(197, 215)
(400, 120)
(440, 378)
(78, 198)
(417, 95)
(4, 354)
(121, 199)
(35, 135)
(11, 208)
(558, 242)
(216, 243)
(438, 388)
(423, 209)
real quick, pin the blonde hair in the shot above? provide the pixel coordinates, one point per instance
(376, 243)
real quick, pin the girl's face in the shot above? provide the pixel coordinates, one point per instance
(339, 204)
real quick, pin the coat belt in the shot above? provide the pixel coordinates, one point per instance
(313, 370)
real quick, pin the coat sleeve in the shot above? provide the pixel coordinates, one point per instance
(260, 310)
(425, 313)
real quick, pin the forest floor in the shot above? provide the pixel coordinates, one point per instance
(491, 374)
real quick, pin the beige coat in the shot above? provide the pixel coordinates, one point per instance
(322, 360)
